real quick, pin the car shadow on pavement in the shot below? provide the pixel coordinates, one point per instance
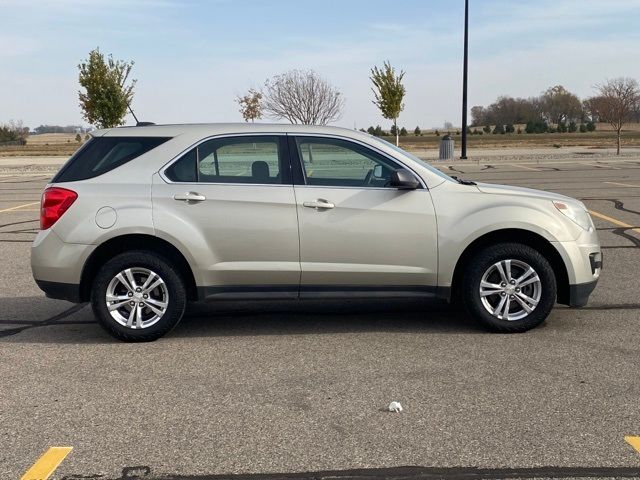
(68, 323)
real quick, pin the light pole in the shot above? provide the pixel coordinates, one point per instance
(464, 80)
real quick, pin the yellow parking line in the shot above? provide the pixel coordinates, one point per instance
(623, 184)
(19, 206)
(614, 221)
(634, 442)
(525, 167)
(47, 463)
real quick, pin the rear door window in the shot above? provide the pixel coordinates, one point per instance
(258, 160)
(102, 154)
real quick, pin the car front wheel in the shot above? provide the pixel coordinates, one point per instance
(509, 287)
(137, 296)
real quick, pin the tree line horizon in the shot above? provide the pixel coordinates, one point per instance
(305, 97)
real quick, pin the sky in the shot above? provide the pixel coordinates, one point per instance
(192, 58)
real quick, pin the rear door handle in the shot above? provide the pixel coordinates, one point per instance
(320, 204)
(190, 197)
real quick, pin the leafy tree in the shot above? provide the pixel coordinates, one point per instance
(559, 105)
(618, 100)
(562, 127)
(394, 130)
(302, 96)
(417, 132)
(14, 131)
(378, 132)
(536, 126)
(371, 130)
(591, 127)
(250, 105)
(403, 132)
(509, 128)
(498, 129)
(572, 127)
(583, 128)
(107, 93)
(486, 129)
(388, 92)
(78, 138)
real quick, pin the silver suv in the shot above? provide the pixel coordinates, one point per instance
(142, 220)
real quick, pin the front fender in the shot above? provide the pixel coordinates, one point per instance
(473, 214)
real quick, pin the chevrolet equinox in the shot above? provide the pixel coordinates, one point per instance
(141, 220)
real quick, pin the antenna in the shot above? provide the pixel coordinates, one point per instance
(134, 115)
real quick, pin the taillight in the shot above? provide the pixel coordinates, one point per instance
(55, 201)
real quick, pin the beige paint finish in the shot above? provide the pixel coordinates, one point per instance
(239, 235)
(375, 236)
(264, 235)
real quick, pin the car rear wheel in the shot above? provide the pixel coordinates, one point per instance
(509, 287)
(138, 297)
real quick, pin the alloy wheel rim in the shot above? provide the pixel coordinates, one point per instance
(510, 289)
(137, 298)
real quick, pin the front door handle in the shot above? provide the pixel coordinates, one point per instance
(320, 204)
(190, 197)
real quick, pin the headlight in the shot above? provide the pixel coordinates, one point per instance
(577, 215)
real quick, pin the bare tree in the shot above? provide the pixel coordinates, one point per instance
(616, 102)
(250, 105)
(18, 128)
(302, 96)
(389, 93)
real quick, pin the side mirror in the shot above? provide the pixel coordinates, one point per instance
(377, 171)
(403, 179)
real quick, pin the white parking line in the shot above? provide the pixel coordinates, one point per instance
(623, 184)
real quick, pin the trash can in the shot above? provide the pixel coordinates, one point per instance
(446, 148)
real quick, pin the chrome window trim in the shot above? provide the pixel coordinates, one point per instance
(177, 157)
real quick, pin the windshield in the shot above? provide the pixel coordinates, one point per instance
(415, 158)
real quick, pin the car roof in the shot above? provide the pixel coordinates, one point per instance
(208, 129)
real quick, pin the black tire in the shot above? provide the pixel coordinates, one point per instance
(175, 289)
(482, 262)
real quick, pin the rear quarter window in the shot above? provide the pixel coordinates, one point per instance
(102, 154)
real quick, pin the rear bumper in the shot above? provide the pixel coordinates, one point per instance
(579, 293)
(60, 291)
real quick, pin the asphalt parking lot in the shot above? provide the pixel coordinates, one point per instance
(299, 388)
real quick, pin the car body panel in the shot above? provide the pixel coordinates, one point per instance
(356, 242)
(242, 234)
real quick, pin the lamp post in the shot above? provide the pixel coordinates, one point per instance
(464, 80)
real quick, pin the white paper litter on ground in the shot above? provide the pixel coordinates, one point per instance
(395, 407)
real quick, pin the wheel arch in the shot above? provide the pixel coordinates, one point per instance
(525, 237)
(123, 243)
